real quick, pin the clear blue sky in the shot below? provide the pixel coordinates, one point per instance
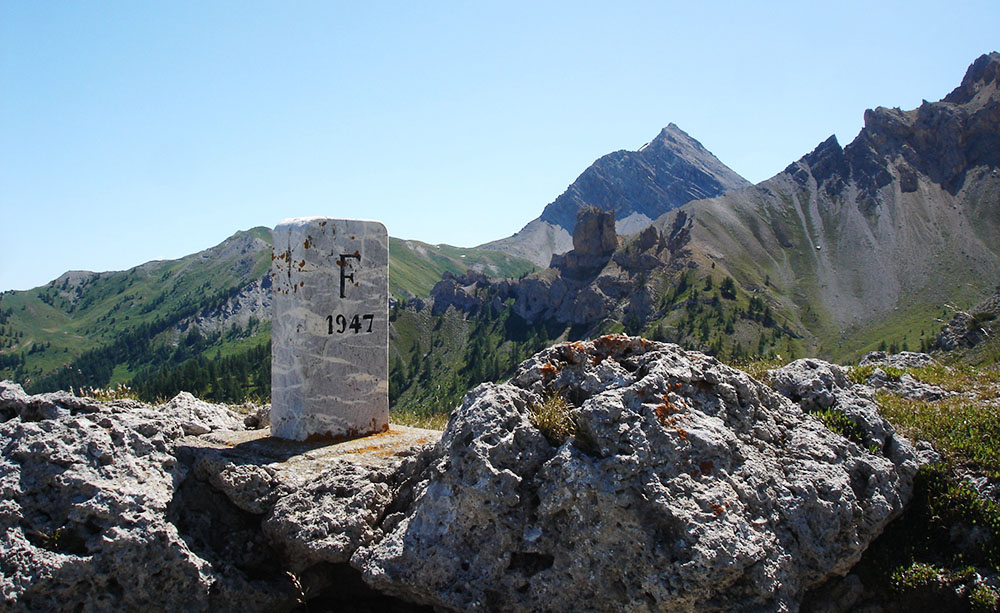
(132, 131)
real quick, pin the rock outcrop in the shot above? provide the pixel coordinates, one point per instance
(594, 241)
(594, 281)
(901, 384)
(678, 483)
(902, 218)
(686, 486)
(86, 492)
(968, 329)
(458, 291)
(126, 506)
(903, 359)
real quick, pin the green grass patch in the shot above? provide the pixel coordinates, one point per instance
(963, 429)
(758, 367)
(838, 423)
(928, 554)
(860, 374)
(419, 419)
(554, 419)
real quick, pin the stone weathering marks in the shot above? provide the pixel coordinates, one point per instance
(330, 329)
(687, 486)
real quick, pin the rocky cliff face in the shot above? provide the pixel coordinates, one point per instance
(593, 282)
(903, 219)
(681, 484)
(638, 186)
(973, 328)
(252, 301)
(846, 244)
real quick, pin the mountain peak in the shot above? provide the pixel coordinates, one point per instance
(673, 128)
(674, 135)
(638, 186)
(669, 171)
(983, 74)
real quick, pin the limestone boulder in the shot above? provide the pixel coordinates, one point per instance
(199, 417)
(685, 485)
(903, 359)
(88, 490)
(118, 506)
(907, 386)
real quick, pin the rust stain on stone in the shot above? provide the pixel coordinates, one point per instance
(350, 434)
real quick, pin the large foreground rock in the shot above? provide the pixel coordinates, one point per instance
(85, 491)
(684, 486)
(688, 486)
(126, 506)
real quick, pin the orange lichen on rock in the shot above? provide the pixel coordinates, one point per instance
(665, 409)
(549, 370)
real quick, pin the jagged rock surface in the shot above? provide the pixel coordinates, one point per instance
(86, 490)
(687, 486)
(817, 386)
(118, 506)
(584, 286)
(458, 291)
(905, 384)
(970, 328)
(903, 359)
(594, 241)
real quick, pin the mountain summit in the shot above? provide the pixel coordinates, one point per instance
(638, 186)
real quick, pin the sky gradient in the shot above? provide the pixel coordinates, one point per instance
(138, 131)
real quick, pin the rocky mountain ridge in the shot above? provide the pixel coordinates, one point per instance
(877, 234)
(848, 246)
(638, 186)
(159, 314)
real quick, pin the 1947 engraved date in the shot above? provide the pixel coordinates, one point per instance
(340, 323)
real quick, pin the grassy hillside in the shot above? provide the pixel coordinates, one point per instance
(849, 275)
(415, 267)
(141, 326)
(53, 325)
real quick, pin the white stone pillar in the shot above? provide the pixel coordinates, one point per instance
(330, 329)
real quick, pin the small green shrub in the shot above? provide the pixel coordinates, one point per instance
(860, 374)
(758, 367)
(984, 598)
(916, 559)
(916, 576)
(981, 381)
(964, 430)
(892, 372)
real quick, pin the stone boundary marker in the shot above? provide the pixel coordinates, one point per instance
(330, 329)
